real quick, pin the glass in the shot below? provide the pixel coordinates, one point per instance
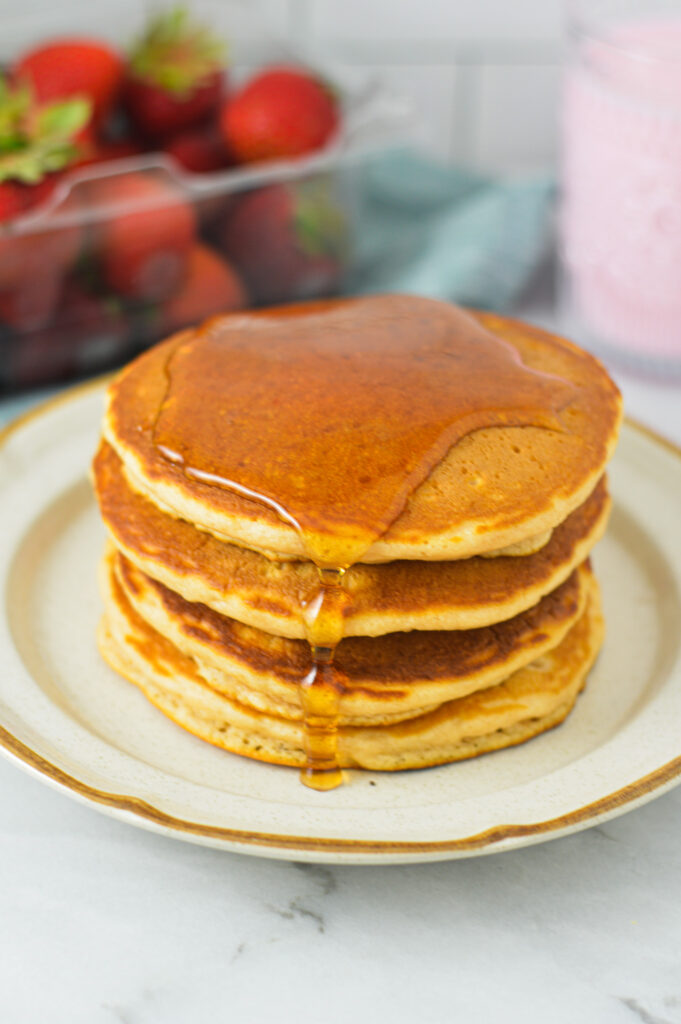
(621, 181)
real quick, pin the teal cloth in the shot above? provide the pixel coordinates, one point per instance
(435, 230)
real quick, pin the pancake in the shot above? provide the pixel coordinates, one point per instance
(385, 679)
(531, 700)
(497, 486)
(355, 533)
(401, 595)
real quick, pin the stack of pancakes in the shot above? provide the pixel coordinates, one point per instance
(469, 625)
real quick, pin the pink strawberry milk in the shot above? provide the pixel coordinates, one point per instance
(621, 207)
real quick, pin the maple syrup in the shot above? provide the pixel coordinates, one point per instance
(332, 414)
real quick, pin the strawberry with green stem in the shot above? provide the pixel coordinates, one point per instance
(37, 140)
(73, 67)
(175, 76)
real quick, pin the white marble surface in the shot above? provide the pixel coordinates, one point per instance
(104, 923)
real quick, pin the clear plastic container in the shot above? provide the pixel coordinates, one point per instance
(621, 178)
(100, 269)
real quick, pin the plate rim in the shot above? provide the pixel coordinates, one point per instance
(145, 814)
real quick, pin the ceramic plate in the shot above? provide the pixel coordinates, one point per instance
(67, 718)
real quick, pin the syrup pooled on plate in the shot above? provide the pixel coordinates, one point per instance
(332, 414)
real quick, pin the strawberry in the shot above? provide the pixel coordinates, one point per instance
(37, 138)
(211, 286)
(34, 261)
(105, 152)
(43, 191)
(31, 302)
(143, 235)
(288, 241)
(175, 77)
(96, 328)
(35, 141)
(23, 302)
(13, 200)
(87, 334)
(73, 67)
(282, 112)
(33, 359)
(200, 150)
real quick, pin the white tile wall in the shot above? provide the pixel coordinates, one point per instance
(459, 20)
(432, 90)
(482, 74)
(516, 115)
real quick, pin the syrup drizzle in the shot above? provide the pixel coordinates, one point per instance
(332, 414)
(322, 687)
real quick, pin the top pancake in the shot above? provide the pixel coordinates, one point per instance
(496, 486)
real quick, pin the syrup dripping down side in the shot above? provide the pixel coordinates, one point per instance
(322, 687)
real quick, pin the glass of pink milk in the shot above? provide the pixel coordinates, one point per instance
(621, 180)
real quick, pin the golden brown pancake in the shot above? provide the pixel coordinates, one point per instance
(531, 700)
(244, 585)
(497, 486)
(411, 489)
(385, 679)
